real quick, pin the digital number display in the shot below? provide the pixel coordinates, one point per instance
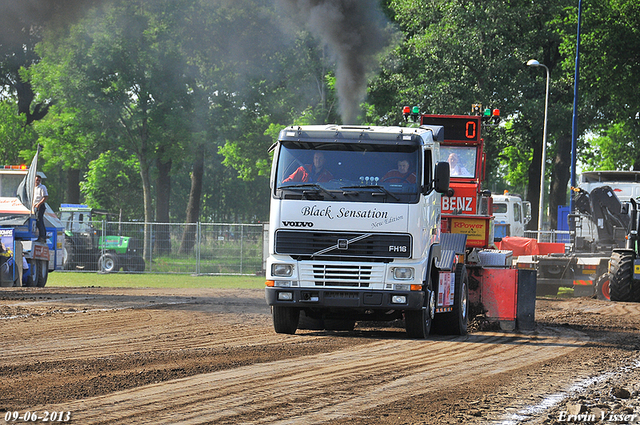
(456, 127)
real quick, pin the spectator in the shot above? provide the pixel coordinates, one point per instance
(40, 196)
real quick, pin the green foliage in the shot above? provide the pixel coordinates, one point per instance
(15, 136)
(112, 183)
(614, 149)
(171, 79)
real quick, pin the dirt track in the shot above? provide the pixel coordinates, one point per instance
(211, 356)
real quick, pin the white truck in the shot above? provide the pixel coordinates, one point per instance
(18, 234)
(365, 226)
(354, 244)
(511, 214)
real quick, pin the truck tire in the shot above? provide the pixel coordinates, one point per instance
(418, 323)
(43, 273)
(285, 319)
(108, 263)
(456, 321)
(602, 287)
(32, 279)
(621, 285)
(309, 323)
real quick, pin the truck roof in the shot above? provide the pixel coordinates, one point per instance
(357, 134)
(74, 207)
(610, 176)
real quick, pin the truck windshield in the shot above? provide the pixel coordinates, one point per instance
(9, 184)
(348, 172)
(461, 159)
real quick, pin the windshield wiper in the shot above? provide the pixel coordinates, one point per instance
(382, 189)
(315, 187)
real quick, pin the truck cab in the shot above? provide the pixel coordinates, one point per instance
(18, 234)
(355, 226)
(511, 215)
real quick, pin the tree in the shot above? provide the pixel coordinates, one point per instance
(112, 182)
(457, 53)
(123, 65)
(609, 68)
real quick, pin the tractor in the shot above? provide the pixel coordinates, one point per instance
(624, 266)
(87, 248)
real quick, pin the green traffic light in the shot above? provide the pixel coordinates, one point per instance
(487, 112)
(415, 110)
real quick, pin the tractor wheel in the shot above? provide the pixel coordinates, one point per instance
(285, 319)
(43, 273)
(135, 264)
(456, 321)
(68, 255)
(621, 285)
(602, 287)
(108, 263)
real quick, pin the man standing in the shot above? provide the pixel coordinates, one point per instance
(40, 196)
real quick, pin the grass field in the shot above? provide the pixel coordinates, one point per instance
(152, 280)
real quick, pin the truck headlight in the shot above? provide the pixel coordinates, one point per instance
(285, 270)
(285, 296)
(403, 273)
(399, 299)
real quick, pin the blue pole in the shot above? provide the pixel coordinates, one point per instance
(574, 123)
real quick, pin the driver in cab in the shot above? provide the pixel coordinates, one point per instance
(401, 174)
(311, 172)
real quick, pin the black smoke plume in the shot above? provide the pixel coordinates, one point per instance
(356, 32)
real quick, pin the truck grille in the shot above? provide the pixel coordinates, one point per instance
(343, 244)
(344, 275)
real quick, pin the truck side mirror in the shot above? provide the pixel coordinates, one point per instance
(442, 177)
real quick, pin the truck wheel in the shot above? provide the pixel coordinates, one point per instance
(32, 279)
(108, 263)
(418, 322)
(622, 286)
(43, 273)
(456, 321)
(285, 319)
(602, 287)
(309, 323)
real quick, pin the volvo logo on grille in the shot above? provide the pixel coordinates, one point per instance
(297, 224)
(343, 244)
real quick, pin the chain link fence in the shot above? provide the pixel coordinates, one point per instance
(188, 248)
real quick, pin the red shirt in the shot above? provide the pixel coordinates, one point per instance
(306, 174)
(394, 176)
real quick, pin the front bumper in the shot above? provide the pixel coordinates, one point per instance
(344, 298)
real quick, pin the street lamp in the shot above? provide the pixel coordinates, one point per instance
(533, 62)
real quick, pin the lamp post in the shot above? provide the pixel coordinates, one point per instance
(533, 62)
